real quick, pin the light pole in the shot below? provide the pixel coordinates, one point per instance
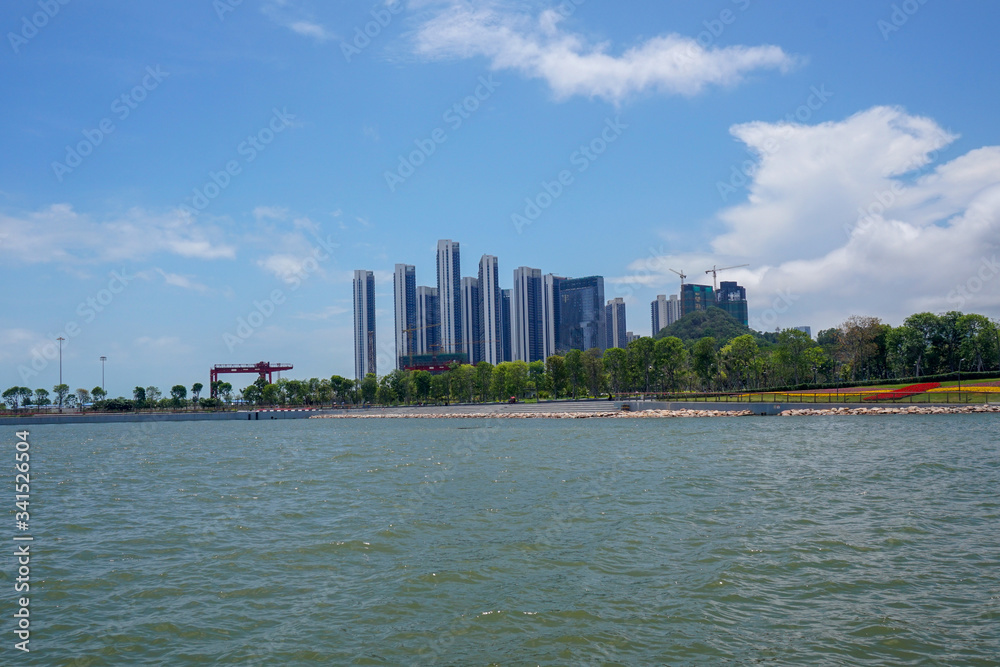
(103, 359)
(60, 339)
(960, 379)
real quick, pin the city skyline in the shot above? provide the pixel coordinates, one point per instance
(180, 200)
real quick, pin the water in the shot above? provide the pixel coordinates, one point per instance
(630, 542)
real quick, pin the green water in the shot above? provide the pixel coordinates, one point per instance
(813, 541)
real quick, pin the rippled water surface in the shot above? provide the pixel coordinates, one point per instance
(381, 542)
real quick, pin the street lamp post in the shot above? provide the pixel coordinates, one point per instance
(960, 379)
(60, 339)
(103, 359)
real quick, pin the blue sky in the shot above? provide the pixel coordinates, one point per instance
(167, 170)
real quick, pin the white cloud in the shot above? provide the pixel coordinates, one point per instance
(184, 282)
(325, 314)
(857, 217)
(289, 15)
(571, 65)
(60, 234)
(296, 253)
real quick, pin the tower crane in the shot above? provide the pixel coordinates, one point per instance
(714, 271)
(681, 274)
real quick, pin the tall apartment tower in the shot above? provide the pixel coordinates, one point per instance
(449, 285)
(733, 299)
(528, 333)
(696, 297)
(472, 335)
(364, 324)
(582, 315)
(507, 325)
(664, 312)
(404, 293)
(490, 319)
(615, 317)
(428, 326)
(550, 313)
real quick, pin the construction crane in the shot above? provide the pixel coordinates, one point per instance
(262, 368)
(681, 274)
(714, 271)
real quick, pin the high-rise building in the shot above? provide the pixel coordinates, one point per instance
(449, 283)
(472, 335)
(528, 333)
(490, 318)
(696, 297)
(550, 312)
(428, 326)
(615, 322)
(507, 325)
(630, 336)
(733, 299)
(582, 315)
(404, 292)
(665, 312)
(364, 324)
(806, 330)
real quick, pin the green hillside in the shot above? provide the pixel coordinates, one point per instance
(713, 322)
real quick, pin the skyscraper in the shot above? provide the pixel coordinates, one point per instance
(664, 312)
(550, 312)
(733, 299)
(696, 297)
(428, 327)
(507, 325)
(471, 334)
(490, 316)
(527, 341)
(404, 292)
(449, 284)
(615, 320)
(364, 324)
(582, 315)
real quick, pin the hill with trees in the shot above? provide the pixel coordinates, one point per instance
(712, 323)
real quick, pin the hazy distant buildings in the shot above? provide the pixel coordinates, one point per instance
(629, 337)
(806, 330)
(364, 324)
(733, 299)
(491, 345)
(550, 313)
(664, 312)
(615, 319)
(449, 285)
(472, 336)
(404, 292)
(528, 326)
(696, 297)
(582, 314)
(428, 326)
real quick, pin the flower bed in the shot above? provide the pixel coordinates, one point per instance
(904, 392)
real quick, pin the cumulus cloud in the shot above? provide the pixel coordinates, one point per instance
(291, 15)
(60, 234)
(539, 47)
(860, 217)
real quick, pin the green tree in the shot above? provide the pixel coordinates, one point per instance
(422, 385)
(152, 395)
(82, 397)
(440, 388)
(517, 378)
(978, 342)
(555, 368)
(819, 361)
(792, 345)
(537, 379)
(178, 395)
(60, 390)
(741, 356)
(575, 372)
(670, 359)
(252, 394)
(498, 382)
(484, 375)
(641, 361)
(859, 345)
(42, 398)
(369, 387)
(593, 371)
(704, 360)
(617, 366)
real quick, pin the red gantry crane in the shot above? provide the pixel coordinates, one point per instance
(262, 368)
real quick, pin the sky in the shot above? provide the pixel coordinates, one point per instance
(193, 183)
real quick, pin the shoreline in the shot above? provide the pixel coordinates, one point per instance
(685, 413)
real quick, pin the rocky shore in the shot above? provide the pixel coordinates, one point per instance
(908, 410)
(644, 414)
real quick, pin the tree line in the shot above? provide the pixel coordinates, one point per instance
(861, 349)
